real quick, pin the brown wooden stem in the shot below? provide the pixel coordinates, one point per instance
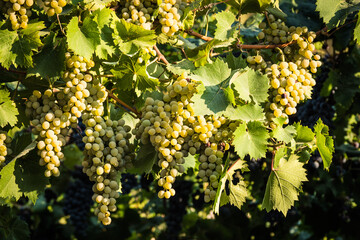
(111, 95)
(161, 57)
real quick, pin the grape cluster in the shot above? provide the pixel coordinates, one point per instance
(291, 79)
(211, 153)
(53, 7)
(50, 122)
(77, 202)
(107, 151)
(5, 141)
(18, 12)
(177, 209)
(79, 90)
(165, 124)
(170, 12)
(138, 12)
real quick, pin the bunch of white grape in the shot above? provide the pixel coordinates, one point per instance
(5, 150)
(291, 78)
(18, 12)
(170, 13)
(51, 124)
(77, 80)
(138, 12)
(165, 124)
(53, 7)
(107, 152)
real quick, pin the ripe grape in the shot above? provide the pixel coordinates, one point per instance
(5, 150)
(53, 7)
(18, 12)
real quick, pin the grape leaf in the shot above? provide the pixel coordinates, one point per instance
(145, 159)
(7, 39)
(247, 112)
(235, 63)
(303, 133)
(284, 184)
(250, 85)
(283, 134)
(328, 8)
(51, 60)
(190, 162)
(357, 30)
(180, 67)
(8, 110)
(12, 227)
(72, 156)
(131, 38)
(211, 97)
(17, 47)
(106, 47)
(83, 40)
(224, 29)
(23, 176)
(324, 143)
(130, 73)
(237, 189)
(212, 73)
(251, 138)
(200, 55)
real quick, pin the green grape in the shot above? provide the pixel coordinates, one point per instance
(104, 159)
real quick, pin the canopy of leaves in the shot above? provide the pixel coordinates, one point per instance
(8, 110)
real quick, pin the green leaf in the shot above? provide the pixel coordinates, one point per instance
(303, 133)
(180, 67)
(130, 73)
(212, 73)
(23, 176)
(51, 60)
(7, 39)
(357, 30)
(131, 38)
(251, 138)
(283, 134)
(106, 47)
(235, 63)
(13, 228)
(324, 143)
(8, 187)
(212, 96)
(83, 40)
(247, 112)
(328, 8)
(250, 85)
(190, 162)
(284, 185)
(145, 159)
(201, 55)
(17, 47)
(224, 29)
(72, 156)
(8, 110)
(236, 187)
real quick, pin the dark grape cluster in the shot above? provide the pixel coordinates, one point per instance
(177, 209)
(78, 201)
(77, 135)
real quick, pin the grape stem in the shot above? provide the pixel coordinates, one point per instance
(241, 46)
(209, 6)
(161, 57)
(61, 28)
(111, 95)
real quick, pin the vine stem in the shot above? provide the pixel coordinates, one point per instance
(111, 95)
(161, 56)
(241, 46)
(61, 28)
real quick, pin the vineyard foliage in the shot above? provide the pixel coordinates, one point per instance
(195, 92)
